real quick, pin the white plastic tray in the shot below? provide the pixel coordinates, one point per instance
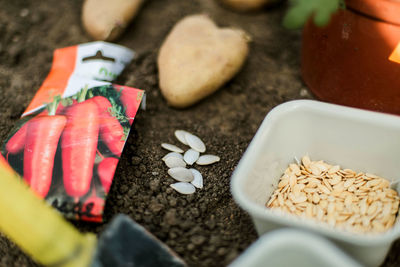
(353, 138)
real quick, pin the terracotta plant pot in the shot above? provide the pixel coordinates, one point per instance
(355, 60)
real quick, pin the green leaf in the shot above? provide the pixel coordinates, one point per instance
(296, 17)
(301, 10)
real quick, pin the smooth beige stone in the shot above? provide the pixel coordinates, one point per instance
(197, 58)
(106, 20)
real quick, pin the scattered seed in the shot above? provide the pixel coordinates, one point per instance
(324, 189)
(181, 174)
(191, 156)
(198, 179)
(315, 170)
(374, 182)
(298, 188)
(173, 162)
(334, 169)
(316, 198)
(180, 135)
(207, 159)
(184, 188)
(306, 161)
(299, 199)
(171, 147)
(348, 183)
(292, 181)
(283, 183)
(195, 142)
(172, 154)
(295, 168)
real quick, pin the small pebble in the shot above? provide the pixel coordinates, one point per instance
(124, 189)
(304, 93)
(221, 251)
(198, 239)
(136, 160)
(154, 185)
(171, 147)
(173, 202)
(24, 12)
(195, 212)
(156, 207)
(170, 217)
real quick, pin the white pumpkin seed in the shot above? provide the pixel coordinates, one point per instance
(181, 174)
(184, 188)
(180, 135)
(172, 154)
(173, 162)
(207, 159)
(195, 142)
(172, 148)
(198, 178)
(191, 156)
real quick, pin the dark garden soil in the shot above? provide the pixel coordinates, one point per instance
(206, 228)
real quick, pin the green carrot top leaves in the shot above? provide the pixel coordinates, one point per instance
(82, 94)
(301, 10)
(65, 102)
(52, 107)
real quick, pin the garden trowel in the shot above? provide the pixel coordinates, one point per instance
(52, 241)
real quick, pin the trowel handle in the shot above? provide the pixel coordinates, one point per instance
(37, 228)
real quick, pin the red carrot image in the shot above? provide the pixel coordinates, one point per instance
(43, 133)
(129, 99)
(111, 131)
(17, 142)
(106, 170)
(78, 144)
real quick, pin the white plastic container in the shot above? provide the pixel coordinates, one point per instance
(353, 138)
(288, 247)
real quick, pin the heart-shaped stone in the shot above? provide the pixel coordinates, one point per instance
(197, 58)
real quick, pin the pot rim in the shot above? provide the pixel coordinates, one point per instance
(384, 10)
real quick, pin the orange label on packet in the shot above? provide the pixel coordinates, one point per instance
(90, 64)
(395, 56)
(57, 79)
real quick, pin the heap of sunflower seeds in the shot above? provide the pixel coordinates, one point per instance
(357, 202)
(188, 179)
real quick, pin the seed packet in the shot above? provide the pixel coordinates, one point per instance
(68, 142)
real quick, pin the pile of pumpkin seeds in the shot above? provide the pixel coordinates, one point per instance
(177, 160)
(357, 202)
